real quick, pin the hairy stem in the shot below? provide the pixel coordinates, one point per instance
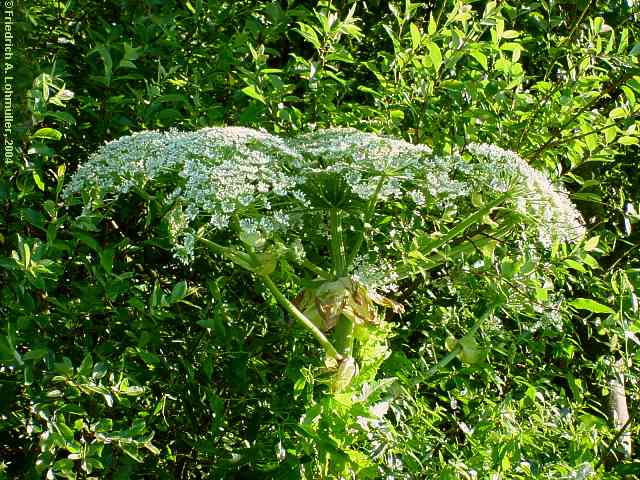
(446, 360)
(427, 263)
(466, 223)
(230, 253)
(235, 255)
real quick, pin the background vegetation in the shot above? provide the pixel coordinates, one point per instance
(108, 368)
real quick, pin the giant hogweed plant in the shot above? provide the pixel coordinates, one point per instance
(323, 206)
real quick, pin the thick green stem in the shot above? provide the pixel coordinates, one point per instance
(300, 317)
(243, 259)
(367, 218)
(466, 223)
(337, 243)
(343, 336)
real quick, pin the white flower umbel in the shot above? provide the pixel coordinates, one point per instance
(547, 203)
(213, 172)
(260, 185)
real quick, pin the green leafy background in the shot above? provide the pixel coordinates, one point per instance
(118, 362)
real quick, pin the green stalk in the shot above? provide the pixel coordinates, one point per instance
(322, 273)
(241, 258)
(448, 358)
(367, 218)
(438, 258)
(337, 243)
(466, 223)
(451, 234)
(300, 317)
(234, 255)
(231, 253)
(343, 336)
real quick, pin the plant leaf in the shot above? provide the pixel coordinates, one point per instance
(590, 305)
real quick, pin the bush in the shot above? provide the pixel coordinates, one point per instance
(139, 339)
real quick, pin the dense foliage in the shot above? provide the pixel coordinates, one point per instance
(138, 341)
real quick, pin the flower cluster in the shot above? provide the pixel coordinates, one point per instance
(555, 215)
(362, 158)
(213, 172)
(258, 184)
(380, 274)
